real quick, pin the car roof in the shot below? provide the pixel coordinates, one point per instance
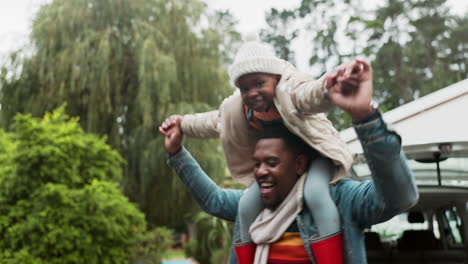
(435, 197)
(436, 117)
(434, 134)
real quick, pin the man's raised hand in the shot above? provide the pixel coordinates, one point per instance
(350, 88)
(171, 128)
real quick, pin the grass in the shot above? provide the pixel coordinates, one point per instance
(174, 254)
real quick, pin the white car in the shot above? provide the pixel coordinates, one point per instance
(436, 229)
(434, 132)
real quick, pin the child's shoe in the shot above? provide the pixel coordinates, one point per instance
(245, 252)
(328, 249)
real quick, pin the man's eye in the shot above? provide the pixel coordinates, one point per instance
(272, 164)
(257, 164)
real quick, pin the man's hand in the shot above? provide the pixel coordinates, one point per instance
(171, 128)
(350, 88)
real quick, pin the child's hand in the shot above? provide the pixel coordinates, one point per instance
(171, 128)
(350, 88)
(174, 120)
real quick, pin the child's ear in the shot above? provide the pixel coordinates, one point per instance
(278, 78)
(302, 163)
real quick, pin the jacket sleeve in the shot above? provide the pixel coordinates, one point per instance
(392, 189)
(222, 203)
(309, 95)
(201, 125)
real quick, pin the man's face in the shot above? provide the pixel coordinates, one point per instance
(277, 169)
(258, 89)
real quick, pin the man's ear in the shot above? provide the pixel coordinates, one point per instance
(302, 163)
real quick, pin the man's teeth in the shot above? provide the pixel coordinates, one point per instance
(265, 184)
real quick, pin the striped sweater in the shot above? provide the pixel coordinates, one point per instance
(289, 249)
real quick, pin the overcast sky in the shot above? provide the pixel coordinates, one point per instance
(16, 17)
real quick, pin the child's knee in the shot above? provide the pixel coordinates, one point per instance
(320, 173)
(317, 199)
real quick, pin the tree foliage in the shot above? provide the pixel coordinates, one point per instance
(280, 32)
(124, 66)
(60, 201)
(210, 240)
(415, 47)
(152, 245)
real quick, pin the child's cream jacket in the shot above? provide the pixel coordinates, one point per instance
(299, 99)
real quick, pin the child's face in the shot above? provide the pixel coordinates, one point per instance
(258, 89)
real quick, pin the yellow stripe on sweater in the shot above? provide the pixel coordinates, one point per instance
(290, 239)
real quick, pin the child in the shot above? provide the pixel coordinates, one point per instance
(272, 90)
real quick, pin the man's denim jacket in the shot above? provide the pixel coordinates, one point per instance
(360, 203)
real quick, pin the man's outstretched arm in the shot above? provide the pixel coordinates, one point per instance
(214, 200)
(393, 188)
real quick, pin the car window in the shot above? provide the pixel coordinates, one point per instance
(393, 229)
(454, 227)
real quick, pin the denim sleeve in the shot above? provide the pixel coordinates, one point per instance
(222, 203)
(393, 189)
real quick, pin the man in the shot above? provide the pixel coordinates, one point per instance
(280, 165)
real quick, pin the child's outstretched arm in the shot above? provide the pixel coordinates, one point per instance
(309, 95)
(200, 125)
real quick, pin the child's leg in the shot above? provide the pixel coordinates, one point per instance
(250, 206)
(318, 199)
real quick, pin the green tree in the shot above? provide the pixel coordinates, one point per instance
(415, 47)
(417, 50)
(319, 22)
(60, 201)
(123, 66)
(281, 32)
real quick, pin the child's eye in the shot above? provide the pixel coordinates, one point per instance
(259, 84)
(244, 89)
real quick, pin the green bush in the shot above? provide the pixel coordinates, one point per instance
(18, 257)
(60, 201)
(190, 249)
(211, 235)
(151, 245)
(218, 256)
(53, 150)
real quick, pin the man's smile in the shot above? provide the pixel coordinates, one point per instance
(266, 187)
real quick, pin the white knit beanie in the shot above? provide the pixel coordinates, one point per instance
(256, 57)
